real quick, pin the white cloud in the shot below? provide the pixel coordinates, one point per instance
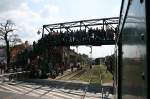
(29, 21)
(36, 1)
(6, 5)
(49, 10)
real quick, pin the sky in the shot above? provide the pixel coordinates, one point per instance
(30, 15)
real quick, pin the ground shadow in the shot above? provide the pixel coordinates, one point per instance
(70, 85)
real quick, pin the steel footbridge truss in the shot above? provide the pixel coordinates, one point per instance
(93, 32)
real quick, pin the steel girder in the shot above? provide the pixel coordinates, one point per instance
(80, 26)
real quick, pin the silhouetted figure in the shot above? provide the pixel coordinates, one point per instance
(90, 66)
(62, 68)
(1, 68)
(71, 66)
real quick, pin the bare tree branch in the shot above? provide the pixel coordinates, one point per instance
(6, 30)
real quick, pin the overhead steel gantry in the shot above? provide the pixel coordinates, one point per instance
(94, 32)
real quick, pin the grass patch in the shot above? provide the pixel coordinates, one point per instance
(94, 74)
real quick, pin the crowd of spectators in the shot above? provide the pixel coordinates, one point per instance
(79, 36)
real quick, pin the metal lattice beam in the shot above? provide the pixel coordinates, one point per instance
(85, 34)
(81, 23)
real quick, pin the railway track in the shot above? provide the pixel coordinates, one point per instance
(70, 75)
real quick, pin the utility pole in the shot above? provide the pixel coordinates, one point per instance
(77, 56)
(91, 57)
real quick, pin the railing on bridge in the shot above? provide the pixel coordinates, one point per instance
(94, 32)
